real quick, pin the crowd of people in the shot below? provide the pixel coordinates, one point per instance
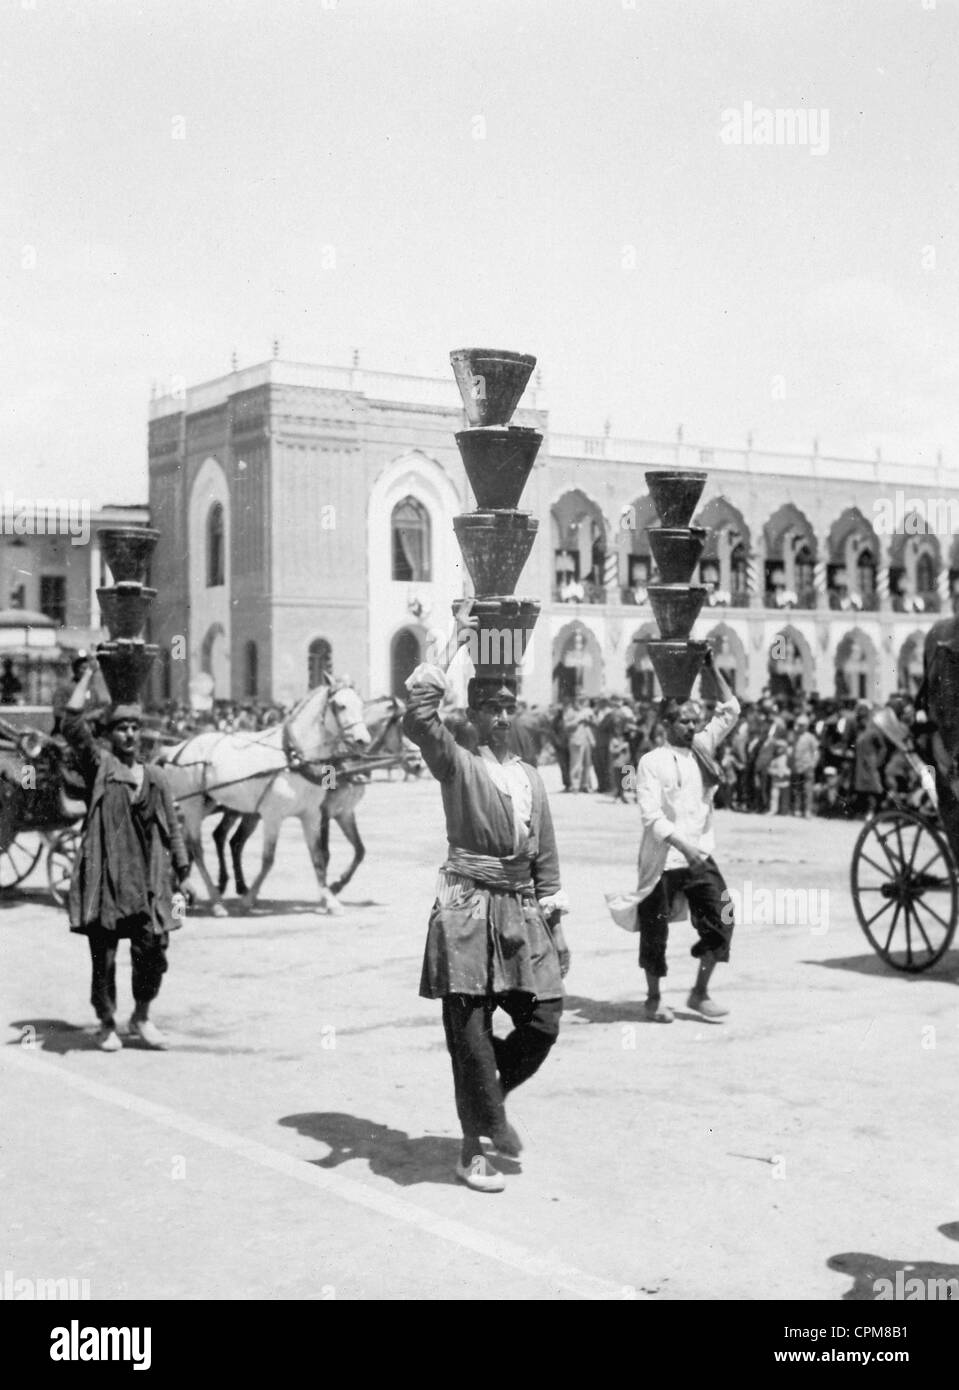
(805, 756)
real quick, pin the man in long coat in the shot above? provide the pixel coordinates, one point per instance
(494, 938)
(122, 886)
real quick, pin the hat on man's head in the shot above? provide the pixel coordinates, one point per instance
(483, 688)
(118, 713)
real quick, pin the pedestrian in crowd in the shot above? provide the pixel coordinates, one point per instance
(581, 743)
(805, 757)
(675, 789)
(123, 879)
(612, 727)
(560, 736)
(869, 755)
(494, 937)
(619, 765)
(779, 776)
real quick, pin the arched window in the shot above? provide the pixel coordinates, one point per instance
(320, 662)
(738, 576)
(866, 568)
(805, 576)
(214, 547)
(251, 670)
(925, 574)
(410, 527)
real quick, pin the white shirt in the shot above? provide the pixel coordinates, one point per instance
(672, 800)
(509, 778)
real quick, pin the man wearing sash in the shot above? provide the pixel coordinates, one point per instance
(494, 938)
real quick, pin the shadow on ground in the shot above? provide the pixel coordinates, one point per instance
(944, 972)
(621, 1011)
(390, 1153)
(864, 1270)
(53, 1035)
(20, 897)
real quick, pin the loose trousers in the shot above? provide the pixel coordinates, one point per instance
(710, 909)
(476, 1055)
(147, 957)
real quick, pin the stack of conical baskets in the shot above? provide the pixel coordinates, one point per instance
(676, 547)
(126, 659)
(496, 538)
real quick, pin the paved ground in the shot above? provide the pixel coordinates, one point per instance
(298, 1140)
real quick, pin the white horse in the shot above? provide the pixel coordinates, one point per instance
(281, 771)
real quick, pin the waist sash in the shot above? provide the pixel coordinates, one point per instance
(512, 872)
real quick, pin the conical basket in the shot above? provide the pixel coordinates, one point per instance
(503, 633)
(676, 550)
(491, 382)
(498, 463)
(675, 495)
(127, 550)
(125, 666)
(675, 608)
(677, 664)
(495, 546)
(124, 608)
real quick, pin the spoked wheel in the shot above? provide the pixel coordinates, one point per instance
(18, 858)
(904, 889)
(61, 856)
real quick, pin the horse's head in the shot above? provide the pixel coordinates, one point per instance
(346, 708)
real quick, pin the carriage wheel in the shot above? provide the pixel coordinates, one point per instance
(60, 860)
(18, 858)
(904, 889)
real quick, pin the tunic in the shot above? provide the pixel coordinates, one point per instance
(487, 932)
(122, 877)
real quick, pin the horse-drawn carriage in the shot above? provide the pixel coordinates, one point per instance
(905, 863)
(36, 815)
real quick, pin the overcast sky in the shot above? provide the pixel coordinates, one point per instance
(545, 175)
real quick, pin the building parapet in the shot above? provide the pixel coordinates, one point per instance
(657, 454)
(382, 386)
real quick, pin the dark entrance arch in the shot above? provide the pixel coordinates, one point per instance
(406, 653)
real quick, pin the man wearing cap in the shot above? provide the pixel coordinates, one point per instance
(122, 886)
(494, 938)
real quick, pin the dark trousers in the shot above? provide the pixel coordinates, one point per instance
(147, 957)
(948, 812)
(710, 910)
(477, 1055)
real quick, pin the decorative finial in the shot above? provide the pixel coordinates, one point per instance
(749, 440)
(679, 434)
(234, 361)
(276, 348)
(607, 426)
(356, 357)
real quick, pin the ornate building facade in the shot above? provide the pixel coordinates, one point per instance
(306, 520)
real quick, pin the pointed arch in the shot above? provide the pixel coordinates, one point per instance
(729, 655)
(577, 662)
(791, 668)
(857, 666)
